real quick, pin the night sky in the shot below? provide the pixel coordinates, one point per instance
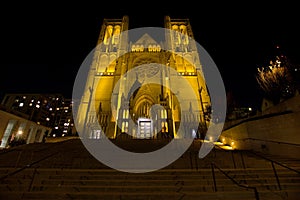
(43, 45)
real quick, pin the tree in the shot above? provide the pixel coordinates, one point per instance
(277, 80)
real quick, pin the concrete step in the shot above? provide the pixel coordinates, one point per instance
(245, 195)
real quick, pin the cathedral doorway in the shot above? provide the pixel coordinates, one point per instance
(145, 128)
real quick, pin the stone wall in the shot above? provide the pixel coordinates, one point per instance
(275, 131)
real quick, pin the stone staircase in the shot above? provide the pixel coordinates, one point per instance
(66, 170)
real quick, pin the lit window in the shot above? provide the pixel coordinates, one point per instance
(164, 127)
(123, 127)
(38, 106)
(163, 114)
(126, 127)
(125, 114)
(21, 104)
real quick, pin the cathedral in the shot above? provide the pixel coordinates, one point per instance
(117, 104)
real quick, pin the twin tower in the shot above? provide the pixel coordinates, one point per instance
(136, 83)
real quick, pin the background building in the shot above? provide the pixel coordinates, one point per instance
(50, 110)
(16, 130)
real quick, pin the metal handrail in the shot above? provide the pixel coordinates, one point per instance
(232, 156)
(32, 163)
(26, 166)
(213, 166)
(5, 151)
(271, 141)
(274, 161)
(273, 167)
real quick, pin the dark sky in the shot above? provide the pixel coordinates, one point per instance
(43, 45)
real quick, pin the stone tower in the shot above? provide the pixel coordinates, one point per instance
(114, 56)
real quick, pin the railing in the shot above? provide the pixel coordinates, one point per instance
(5, 151)
(213, 166)
(273, 162)
(27, 166)
(273, 166)
(32, 163)
(231, 124)
(270, 141)
(193, 160)
(232, 156)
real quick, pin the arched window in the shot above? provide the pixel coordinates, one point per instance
(150, 48)
(108, 34)
(116, 34)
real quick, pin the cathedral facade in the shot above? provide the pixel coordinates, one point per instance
(115, 102)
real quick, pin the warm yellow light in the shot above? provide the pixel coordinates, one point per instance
(227, 147)
(20, 132)
(232, 143)
(218, 143)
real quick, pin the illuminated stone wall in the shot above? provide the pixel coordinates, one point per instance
(275, 132)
